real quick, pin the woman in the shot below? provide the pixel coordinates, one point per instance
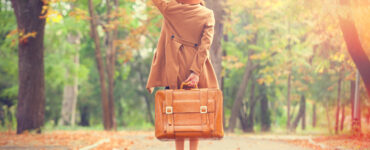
(182, 53)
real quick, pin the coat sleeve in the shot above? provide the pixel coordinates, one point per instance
(205, 44)
(162, 5)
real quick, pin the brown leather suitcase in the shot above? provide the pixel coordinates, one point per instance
(195, 113)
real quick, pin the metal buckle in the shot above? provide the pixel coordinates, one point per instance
(203, 109)
(169, 110)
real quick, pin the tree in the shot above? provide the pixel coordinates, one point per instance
(314, 116)
(343, 116)
(354, 46)
(338, 105)
(288, 100)
(70, 90)
(111, 34)
(216, 49)
(8, 66)
(357, 53)
(108, 119)
(265, 113)
(235, 110)
(356, 103)
(247, 120)
(301, 114)
(31, 93)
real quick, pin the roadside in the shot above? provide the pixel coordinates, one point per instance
(145, 140)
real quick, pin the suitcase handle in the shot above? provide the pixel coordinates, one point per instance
(184, 83)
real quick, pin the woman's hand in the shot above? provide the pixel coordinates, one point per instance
(192, 80)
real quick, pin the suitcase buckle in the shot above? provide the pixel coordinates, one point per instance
(169, 110)
(203, 109)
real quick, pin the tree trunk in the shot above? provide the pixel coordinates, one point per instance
(243, 117)
(2, 115)
(75, 88)
(240, 94)
(111, 61)
(354, 46)
(247, 120)
(85, 116)
(69, 97)
(301, 113)
(265, 113)
(120, 112)
(149, 110)
(352, 99)
(314, 117)
(216, 48)
(253, 101)
(147, 97)
(224, 54)
(303, 120)
(328, 116)
(107, 118)
(343, 117)
(356, 119)
(338, 106)
(293, 109)
(31, 91)
(70, 91)
(288, 100)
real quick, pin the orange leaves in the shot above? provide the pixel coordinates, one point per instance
(23, 37)
(339, 57)
(12, 35)
(267, 79)
(79, 14)
(118, 18)
(48, 12)
(111, 26)
(119, 13)
(68, 139)
(129, 44)
(45, 8)
(344, 141)
(260, 56)
(132, 41)
(308, 78)
(51, 15)
(232, 62)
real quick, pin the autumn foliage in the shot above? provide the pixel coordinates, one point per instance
(285, 66)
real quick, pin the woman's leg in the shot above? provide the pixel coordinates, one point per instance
(179, 144)
(193, 144)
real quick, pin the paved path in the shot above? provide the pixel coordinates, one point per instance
(141, 140)
(230, 142)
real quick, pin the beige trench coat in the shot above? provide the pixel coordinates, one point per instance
(183, 46)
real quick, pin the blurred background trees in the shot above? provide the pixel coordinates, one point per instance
(282, 65)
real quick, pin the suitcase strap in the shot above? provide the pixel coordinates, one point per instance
(203, 110)
(169, 114)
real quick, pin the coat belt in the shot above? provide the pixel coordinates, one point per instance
(174, 66)
(183, 42)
